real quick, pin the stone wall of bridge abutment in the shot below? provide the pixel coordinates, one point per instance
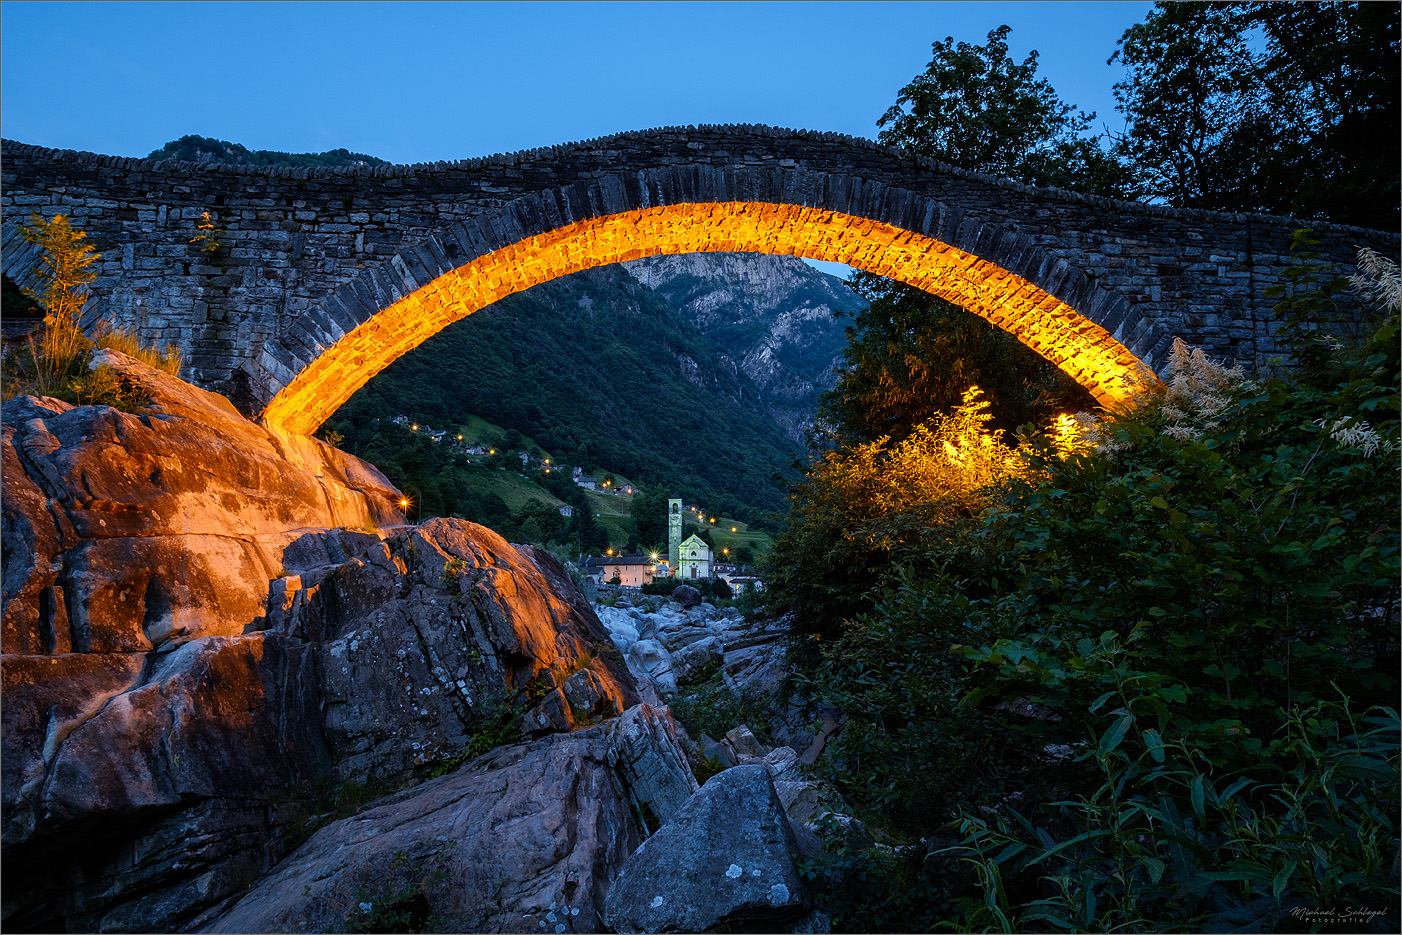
(291, 237)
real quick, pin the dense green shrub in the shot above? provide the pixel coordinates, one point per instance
(1207, 578)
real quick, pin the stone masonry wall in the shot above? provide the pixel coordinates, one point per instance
(290, 238)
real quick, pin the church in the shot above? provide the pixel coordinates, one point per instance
(695, 559)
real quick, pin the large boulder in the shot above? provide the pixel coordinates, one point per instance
(123, 531)
(648, 659)
(726, 858)
(526, 838)
(139, 787)
(429, 639)
(686, 595)
(197, 651)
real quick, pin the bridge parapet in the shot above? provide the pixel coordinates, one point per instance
(291, 239)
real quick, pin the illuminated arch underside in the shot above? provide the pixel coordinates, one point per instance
(1081, 348)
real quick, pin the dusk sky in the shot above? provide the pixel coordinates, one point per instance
(421, 82)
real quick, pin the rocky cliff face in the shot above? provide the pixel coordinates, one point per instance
(774, 314)
(205, 670)
(197, 649)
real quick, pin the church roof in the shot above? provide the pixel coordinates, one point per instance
(694, 541)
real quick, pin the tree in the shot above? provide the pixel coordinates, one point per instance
(910, 355)
(649, 514)
(1288, 108)
(974, 107)
(66, 272)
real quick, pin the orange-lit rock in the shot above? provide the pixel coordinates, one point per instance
(424, 638)
(161, 526)
(1084, 350)
(191, 653)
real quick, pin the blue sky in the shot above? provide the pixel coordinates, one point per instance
(420, 82)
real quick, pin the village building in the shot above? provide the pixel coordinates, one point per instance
(743, 583)
(695, 559)
(632, 571)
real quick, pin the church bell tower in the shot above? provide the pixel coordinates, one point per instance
(674, 534)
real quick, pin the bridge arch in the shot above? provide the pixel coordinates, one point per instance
(326, 354)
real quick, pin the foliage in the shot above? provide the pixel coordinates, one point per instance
(193, 148)
(400, 902)
(207, 234)
(648, 511)
(56, 364)
(710, 588)
(709, 706)
(976, 108)
(873, 889)
(65, 270)
(1191, 581)
(867, 509)
(167, 358)
(1166, 842)
(1288, 108)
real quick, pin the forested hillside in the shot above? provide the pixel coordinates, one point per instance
(603, 374)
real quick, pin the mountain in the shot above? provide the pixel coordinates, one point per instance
(203, 149)
(776, 315)
(603, 373)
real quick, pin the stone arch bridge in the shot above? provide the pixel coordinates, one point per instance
(322, 277)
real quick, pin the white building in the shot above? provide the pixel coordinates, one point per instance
(695, 559)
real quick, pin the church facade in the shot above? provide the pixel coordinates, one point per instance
(695, 561)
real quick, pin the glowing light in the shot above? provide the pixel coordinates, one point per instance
(713, 520)
(404, 503)
(1084, 350)
(414, 427)
(732, 528)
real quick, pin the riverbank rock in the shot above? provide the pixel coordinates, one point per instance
(430, 638)
(528, 834)
(686, 595)
(198, 653)
(726, 858)
(123, 531)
